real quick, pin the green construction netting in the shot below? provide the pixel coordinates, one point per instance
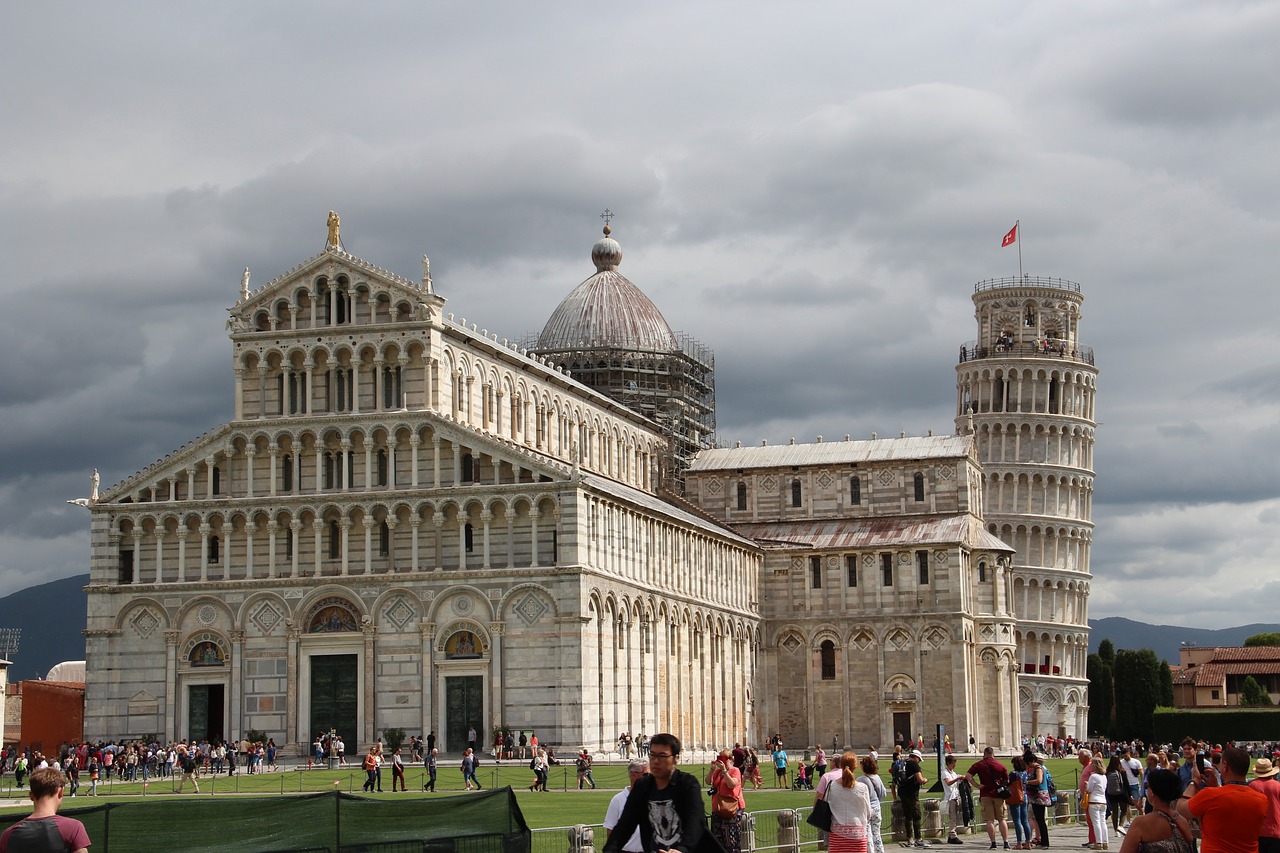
(488, 822)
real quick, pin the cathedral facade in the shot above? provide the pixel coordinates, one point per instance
(410, 523)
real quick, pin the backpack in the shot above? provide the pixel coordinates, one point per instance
(533, 764)
(1115, 785)
(582, 765)
(1049, 787)
(898, 771)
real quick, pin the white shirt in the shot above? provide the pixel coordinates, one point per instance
(614, 814)
(1132, 769)
(949, 786)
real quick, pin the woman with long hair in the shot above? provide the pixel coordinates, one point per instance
(1117, 793)
(850, 809)
(1018, 810)
(1096, 788)
(1037, 794)
(1163, 830)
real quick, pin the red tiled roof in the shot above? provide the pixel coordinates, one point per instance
(1211, 674)
(1237, 653)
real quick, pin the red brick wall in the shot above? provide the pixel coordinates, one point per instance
(52, 714)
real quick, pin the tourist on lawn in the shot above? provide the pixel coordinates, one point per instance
(44, 829)
(876, 792)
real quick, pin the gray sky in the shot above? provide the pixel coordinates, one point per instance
(810, 188)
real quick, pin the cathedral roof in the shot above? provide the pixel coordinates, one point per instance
(607, 311)
(848, 533)
(834, 452)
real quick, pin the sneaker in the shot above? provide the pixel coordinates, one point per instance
(922, 843)
(1006, 845)
(954, 840)
(993, 845)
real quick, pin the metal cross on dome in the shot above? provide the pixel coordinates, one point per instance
(607, 215)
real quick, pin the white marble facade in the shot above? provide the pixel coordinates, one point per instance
(410, 523)
(415, 502)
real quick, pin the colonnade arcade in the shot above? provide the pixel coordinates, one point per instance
(1030, 390)
(671, 667)
(1052, 709)
(1049, 546)
(334, 302)
(1017, 442)
(381, 377)
(1058, 495)
(518, 530)
(1052, 652)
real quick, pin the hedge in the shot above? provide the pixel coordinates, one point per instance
(1216, 725)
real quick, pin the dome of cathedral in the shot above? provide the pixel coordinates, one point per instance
(607, 310)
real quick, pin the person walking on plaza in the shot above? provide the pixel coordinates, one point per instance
(187, 762)
(469, 769)
(584, 770)
(397, 771)
(780, 766)
(1231, 814)
(1162, 830)
(370, 767)
(911, 780)
(636, 770)
(666, 805)
(1264, 780)
(432, 765)
(1085, 757)
(991, 774)
(45, 829)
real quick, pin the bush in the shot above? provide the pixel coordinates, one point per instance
(392, 739)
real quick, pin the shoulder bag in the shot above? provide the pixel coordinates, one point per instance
(820, 815)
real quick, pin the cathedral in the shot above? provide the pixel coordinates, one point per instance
(411, 523)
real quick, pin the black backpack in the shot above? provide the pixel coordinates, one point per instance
(898, 771)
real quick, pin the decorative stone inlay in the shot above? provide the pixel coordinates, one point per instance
(833, 562)
(791, 643)
(768, 484)
(145, 622)
(207, 615)
(868, 560)
(944, 472)
(399, 613)
(462, 605)
(266, 617)
(824, 480)
(797, 563)
(530, 608)
(495, 594)
(898, 640)
(863, 640)
(940, 557)
(934, 638)
(714, 487)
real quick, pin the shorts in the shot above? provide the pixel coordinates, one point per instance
(993, 808)
(1134, 793)
(781, 771)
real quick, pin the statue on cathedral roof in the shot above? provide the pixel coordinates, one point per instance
(334, 222)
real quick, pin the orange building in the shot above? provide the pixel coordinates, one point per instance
(1211, 677)
(50, 713)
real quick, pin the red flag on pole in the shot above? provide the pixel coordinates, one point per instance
(1011, 237)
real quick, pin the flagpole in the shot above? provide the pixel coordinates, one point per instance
(1017, 224)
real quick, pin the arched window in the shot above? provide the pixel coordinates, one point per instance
(288, 543)
(328, 469)
(982, 572)
(286, 472)
(217, 480)
(384, 539)
(919, 483)
(335, 540)
(468, 468)
(742, 496)
(382, 466)
(795, 493)
(828, 652)
(922, 563)
(855, 490)
(468, 535)
(213, 547)
(815, 572)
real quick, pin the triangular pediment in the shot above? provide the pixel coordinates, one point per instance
(333, 264)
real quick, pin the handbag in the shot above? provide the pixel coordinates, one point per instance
(725, 807)
(1002, 791)
(820, 816)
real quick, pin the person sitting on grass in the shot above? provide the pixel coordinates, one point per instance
(44, 828)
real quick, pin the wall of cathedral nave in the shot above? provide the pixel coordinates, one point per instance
(922, 486)
(659, 663)
(861, 684)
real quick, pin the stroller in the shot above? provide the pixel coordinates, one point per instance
(804, 778)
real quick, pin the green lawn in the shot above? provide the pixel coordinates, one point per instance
(562, 805)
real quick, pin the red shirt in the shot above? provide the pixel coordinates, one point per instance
(1231, 818)
(990, 773)
(70, 830)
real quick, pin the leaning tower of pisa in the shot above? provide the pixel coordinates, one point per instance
(1025, 389)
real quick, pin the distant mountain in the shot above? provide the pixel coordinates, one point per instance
(1165, 640)
(52, 617)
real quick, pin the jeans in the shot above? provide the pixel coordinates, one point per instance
(1018, 814)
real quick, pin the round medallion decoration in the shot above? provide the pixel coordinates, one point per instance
(462, 605)
(207, 615)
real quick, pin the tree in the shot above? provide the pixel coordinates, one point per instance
(392, 738)
(1107, 651)
(1269, 638)
(1252, 694)
(1101, 693)
(1137, 692)
(1166, 685)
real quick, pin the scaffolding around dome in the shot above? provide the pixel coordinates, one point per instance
(675, 389)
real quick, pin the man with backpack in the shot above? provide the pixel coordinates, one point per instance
(908, 786)
(584, 769)
(993, 778)
(187, 762)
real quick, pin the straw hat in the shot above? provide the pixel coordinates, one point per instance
(1262, 769)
